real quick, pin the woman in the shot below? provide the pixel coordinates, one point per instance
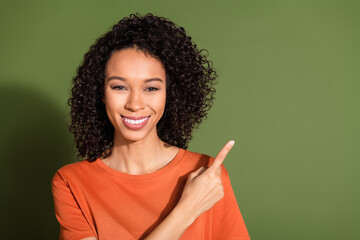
(137, 96)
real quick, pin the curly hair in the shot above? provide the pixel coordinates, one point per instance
(189, 77)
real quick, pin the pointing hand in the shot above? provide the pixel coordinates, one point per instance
(204, 187)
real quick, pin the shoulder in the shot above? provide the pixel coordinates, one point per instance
(197, 159)
(75, 167)
(72, 170)
(202, 160)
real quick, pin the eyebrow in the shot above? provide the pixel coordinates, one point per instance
(123, 79)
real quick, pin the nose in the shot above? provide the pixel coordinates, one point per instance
(134, 102)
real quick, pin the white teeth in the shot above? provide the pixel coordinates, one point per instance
(131, 121)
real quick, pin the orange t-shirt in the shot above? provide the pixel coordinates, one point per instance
(92, 199)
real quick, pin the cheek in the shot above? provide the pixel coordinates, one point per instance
(157, 103)
(112, 105)
(114, 100)
(110, 112)
(109, 106)
(161, 102)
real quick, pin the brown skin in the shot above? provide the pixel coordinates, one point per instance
(142, 151)
(136, 151)
(202, 190)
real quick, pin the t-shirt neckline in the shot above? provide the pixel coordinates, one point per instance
(146, 176)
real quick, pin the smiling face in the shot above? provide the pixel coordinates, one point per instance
(134, 94)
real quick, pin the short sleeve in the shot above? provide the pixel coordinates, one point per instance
(226, 217)
(73, 224)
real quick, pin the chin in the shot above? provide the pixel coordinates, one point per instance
(133, 136)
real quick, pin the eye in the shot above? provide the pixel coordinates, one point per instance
(150, 89)
(118, 87)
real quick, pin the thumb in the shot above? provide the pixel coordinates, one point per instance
(198, 172)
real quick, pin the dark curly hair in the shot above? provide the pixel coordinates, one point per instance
(189, 76)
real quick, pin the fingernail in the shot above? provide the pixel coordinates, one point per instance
(232, 142)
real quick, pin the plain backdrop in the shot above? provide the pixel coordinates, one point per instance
(287, 92)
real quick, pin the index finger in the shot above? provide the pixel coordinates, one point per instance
(221, 156)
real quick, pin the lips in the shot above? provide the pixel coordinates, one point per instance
(135, 122)
(134, 117)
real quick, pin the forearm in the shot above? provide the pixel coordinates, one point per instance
(202, 190)
(173, 226)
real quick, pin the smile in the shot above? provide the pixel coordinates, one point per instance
(135, 123)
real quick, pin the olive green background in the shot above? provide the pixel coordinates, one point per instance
(288, 93)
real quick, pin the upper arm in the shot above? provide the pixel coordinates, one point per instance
(227, 220)
(73, 224)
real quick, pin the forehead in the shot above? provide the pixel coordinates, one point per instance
(133, 63)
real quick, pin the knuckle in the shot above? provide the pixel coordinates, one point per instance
(218, 181)
(219, 195)
(222, 155)
(222, 194)
(209, 175)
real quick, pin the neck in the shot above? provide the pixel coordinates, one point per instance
(139, 157)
